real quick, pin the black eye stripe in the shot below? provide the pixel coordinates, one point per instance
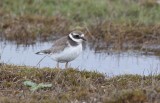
(76, 36)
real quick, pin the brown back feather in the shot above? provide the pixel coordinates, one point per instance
(59, 45)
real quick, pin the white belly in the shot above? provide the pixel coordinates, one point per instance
(69, 54)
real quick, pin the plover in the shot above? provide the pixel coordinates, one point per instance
(66, 48)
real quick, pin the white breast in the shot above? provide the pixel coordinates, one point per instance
(68, 54)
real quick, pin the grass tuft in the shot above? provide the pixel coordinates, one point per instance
(71, 85)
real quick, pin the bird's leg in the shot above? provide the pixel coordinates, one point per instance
(57, 64)
(66, 66)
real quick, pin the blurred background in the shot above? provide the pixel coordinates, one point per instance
(112, 27)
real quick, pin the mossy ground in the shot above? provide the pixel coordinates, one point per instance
(72, 85)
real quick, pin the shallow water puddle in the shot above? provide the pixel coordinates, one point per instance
(111, 64)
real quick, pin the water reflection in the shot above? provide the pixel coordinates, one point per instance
(108, 62)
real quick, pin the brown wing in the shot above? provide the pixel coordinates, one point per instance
(59, 45)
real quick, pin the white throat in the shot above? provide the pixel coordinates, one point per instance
(76, 40)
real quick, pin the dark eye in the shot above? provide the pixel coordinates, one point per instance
(76, 36)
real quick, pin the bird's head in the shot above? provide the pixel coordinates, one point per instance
(77, 36)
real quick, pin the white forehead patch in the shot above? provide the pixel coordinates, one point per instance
(82, 35)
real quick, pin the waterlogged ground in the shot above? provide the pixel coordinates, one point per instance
(109, 62)
(135, 29)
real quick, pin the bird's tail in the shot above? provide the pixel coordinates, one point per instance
(43, 52)
(39, 53)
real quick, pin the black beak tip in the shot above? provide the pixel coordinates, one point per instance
(84, 39)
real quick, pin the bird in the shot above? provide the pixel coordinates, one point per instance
(65, 49)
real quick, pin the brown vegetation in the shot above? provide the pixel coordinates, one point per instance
(27, 30)
(127, 36)
(75, 86)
